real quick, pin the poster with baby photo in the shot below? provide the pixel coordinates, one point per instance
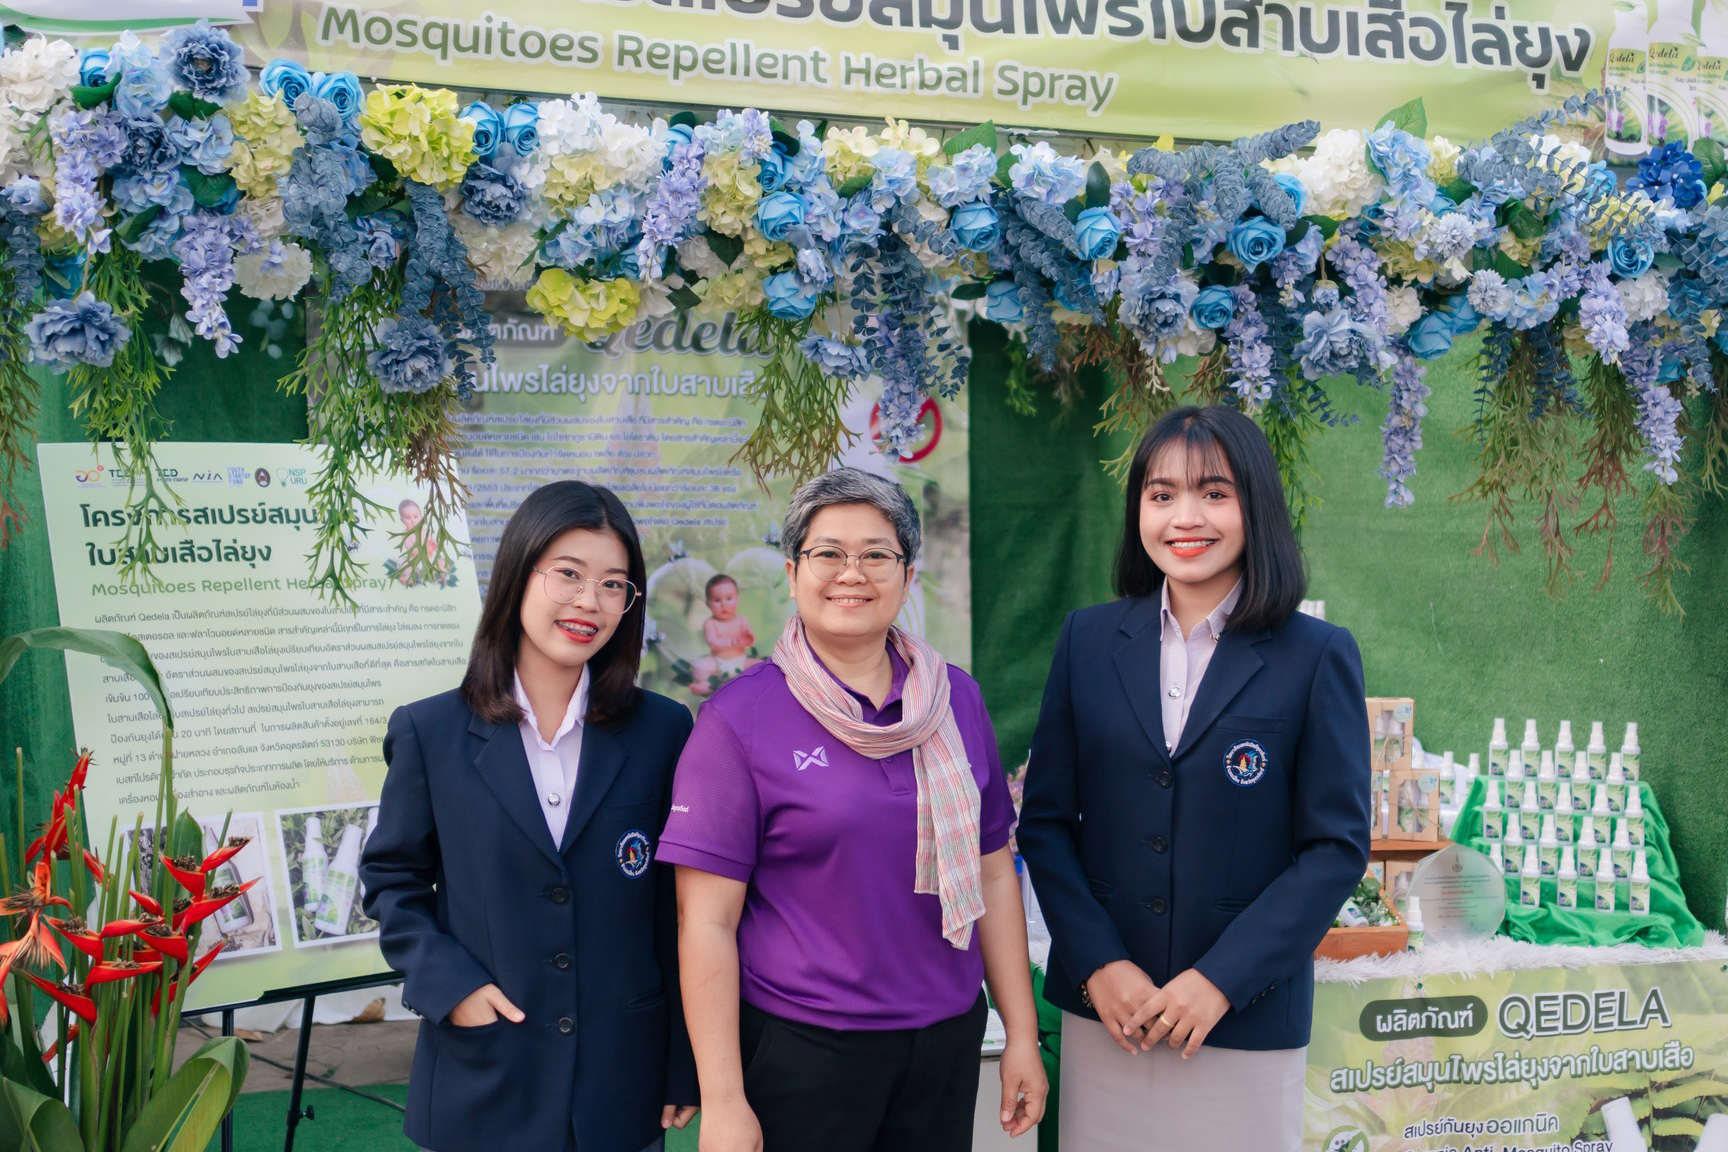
(247, 923)
(322, 848)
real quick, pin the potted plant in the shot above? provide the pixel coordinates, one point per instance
(96, 955)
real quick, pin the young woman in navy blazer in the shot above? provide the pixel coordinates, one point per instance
(1196, 807)
(536, 943)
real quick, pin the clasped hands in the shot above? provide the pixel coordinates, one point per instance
(1138, 1014)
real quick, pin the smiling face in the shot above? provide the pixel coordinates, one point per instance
(410, 513)
(849, 608)
(723, 601)
(558, 639)
(1191, 521)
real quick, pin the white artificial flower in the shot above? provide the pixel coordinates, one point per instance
(1644, 298)
(37, 74)
(1195, 340)
(1405, 306)
(265, 213)
(699, 259)
(632, 154)
(1339, 180)
(656, 300)
(503, 257)
(277, 273)
(12, 155)
(1443, 159)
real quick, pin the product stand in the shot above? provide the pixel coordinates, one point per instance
(309, 993)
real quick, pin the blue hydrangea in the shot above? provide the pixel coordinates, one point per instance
(835, 357)
(1044, 175)
(204, 144)
(83, 330)
(1333, 344)
(966, 179)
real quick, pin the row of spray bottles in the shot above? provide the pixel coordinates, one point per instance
(330, 886)
(1578, 823)
(1666, 78)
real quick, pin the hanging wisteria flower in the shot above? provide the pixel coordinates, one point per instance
(205, 251)
(86, 143)
(418, 130)
(1401, 434)
(1044, 175)
(83, 330)
(412, 355)
(206, 62)
(1603, 314)
(276, 273)
(493, 197)
(1248, 359)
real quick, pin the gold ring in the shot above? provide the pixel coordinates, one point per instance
(1165, 1020)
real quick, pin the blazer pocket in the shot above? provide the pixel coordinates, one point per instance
(1099, 887)
(1231, 906)
(648, 1000)
(1245, 723)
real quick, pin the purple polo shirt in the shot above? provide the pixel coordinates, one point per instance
(831, 933)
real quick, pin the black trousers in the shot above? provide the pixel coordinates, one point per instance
(822, 1090)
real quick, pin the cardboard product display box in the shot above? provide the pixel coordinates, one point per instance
(1391, 731)
(1389, 940)
(1415, 805)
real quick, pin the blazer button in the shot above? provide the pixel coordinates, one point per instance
(562, 960)
(1157, 907)
(1165, 779)
(560, 895)
(566, 1025)
(1157, 843)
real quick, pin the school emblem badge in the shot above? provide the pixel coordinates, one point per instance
(634, 853)
(1245, 763)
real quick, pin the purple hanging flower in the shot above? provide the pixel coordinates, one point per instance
(1401, 435)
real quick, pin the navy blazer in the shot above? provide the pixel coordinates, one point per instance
(1231, 855)
(462, 875)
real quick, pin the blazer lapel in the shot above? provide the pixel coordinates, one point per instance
(1234, 662)
(503, 764)
(603, 756)
(1138, 656)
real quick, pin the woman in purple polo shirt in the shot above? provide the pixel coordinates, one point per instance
(840, 823)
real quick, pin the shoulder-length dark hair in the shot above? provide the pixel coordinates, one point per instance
(1273, 582)
(548, 513)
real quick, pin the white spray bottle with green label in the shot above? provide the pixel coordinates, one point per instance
(1413, 920)
(1627, 105)
(1563, 818)
(1600, 817)
(1566, 881)
(1531, 747)
(1529, 816)
(1530, 881)
(1515, 779)
(1493, 815)
(1605, 882)
(1630, 752)
(314, 865)
(1621, 851)
(1497, 749)
(1514, 847)
(1635, 816)
(1547, 782)
(1596, 752)
(1616, 784)
(1589, 849)
(1548, 847)
(1638, 885)
(335, 910)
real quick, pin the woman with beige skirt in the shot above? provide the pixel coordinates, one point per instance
(1196, 809)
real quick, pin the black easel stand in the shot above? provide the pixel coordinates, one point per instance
(309, 993)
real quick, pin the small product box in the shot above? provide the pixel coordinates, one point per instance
(1391, 728)
(1415, 804)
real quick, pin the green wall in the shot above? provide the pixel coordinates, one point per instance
(1467, 640)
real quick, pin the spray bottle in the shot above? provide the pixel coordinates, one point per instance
(1497, 749)
(1589, 849)
(1548, 847)
(1448, 781)
(1514, 847)
(1529, 816)
(1638, 888)
(1635, 816)
(1600, 816)
(1413, 920)
(1596, 752)
(1531, 747)
(1616, 784)
(1605, 882)
(1547, 783)
(314, 865)
(1530, 881)
(1564, 749)
(1515, 779)
(1493, 815)
(1629, 752)
(1563, 820)
(337, 906)
(1621, 851)
(1566, 881)
(1623, 81)
(1669, 71)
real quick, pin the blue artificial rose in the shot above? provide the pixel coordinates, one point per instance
(1670, 370)
(93, 67)
(148, 148)
(488, 128)
(1630, 258)
(1298, 193)
(1255, 241)
(343, 90)
(778, 213)
(24, 196)
(492, 197)
(771, 170)
(1431, 336)
(677, 134)
(1213, 307)
(285, 78)
(1002, 302)
(1097, 230)
(206, 62)
(1465, 319)
(976, 226)
(787, 297)
(521, 131)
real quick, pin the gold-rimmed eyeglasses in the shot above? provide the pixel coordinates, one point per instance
(564, 585)
(877, 564)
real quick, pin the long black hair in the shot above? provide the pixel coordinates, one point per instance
(548, 513)
(1273, 582)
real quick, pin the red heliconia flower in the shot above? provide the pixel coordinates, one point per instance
(203, 961)
(80, 937)
(148, 903)
(80, 770)
(54, 1048)
(52, 843)
(159, 938)
(120, 970)
(69, 996)
(200, 910)
(116, 928)
(189, 878)
(94, 864)
(224, 854)
(36, 943)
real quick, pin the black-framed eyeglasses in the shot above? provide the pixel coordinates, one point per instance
(564, 585)
(877, 564)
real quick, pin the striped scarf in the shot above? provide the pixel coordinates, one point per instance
(947, 862)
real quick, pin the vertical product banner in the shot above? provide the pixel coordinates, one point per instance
(658, 414)
(1607, 1058)
(280, 698)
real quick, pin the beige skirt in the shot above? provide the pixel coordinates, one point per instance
(1219, 1100)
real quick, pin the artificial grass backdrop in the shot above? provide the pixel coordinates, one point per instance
(1469, 641)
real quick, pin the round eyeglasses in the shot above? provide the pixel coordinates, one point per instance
(564, 585)
(877, 564)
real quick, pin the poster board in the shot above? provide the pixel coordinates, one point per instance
(280, 698)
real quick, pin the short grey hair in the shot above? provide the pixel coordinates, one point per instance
(851, 486)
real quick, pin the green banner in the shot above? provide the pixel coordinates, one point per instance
(1199, 68)
(1601, 1059)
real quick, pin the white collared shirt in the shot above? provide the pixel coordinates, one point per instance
(553, 764)
(1182, 660)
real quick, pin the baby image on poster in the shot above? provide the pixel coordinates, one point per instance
(730, 639)
(708, 624)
